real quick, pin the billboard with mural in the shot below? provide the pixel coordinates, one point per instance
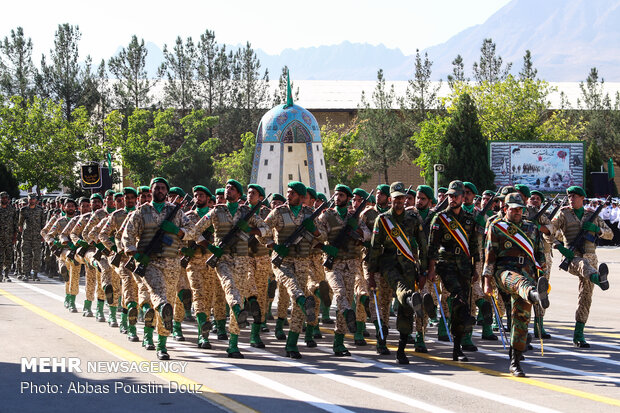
(545, 166)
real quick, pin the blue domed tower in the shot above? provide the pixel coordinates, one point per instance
(289, 148)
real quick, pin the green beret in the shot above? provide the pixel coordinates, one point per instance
(177, 191)
(343, 188)
(83, 199)
(278, 197)
(298, 187)
(203, 189)
(360, 192)
(109, 192)
(129, 190)
(372, 199)
(384, 188)
(158, 180)
(321, 196)
(259, 188)
(471, 187)
(311, 192)
(575, 190)
(143, 189)
(442, 190)
(540, 194)
(67, 200)
(117, 194)
(213, 198)
(488, 192)
(219, 191)
(426, 190)
(236, 184)
(524, 189)
(96, 196)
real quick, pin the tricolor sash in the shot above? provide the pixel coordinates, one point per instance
(517, 236)
(456, 230)
(398, 237)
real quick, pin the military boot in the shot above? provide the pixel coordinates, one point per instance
(579, 340)
(309, 339)
(240, 314)
(109, 293)
(66, 303)
(87, 312)
(99, 315)
(263, 327)
(162, 351)
(515, 365)
(166, 313)
(177, 331)
(415, 302)
(132, 313)
(280, 335)
(221, 329)
(132, 333)
(112, 322)
(254, 310)
(339, 349)
(255, 340)
(442, 331)
(359, 334)
(72, 307)
(600, 278)
(457, 353)
(401, 357)
(291, 348)
(540, 294)
(186, 298)
(233, 350)
(467, 343)
(487, 333)
(538, 323)
(420, 347)
(317, 331)
(147, 341)
(122, 327)
(325, 318)
(382, 342)
(203, 330)
(349, 318)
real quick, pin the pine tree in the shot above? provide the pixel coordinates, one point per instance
(594, 161)
(458, 72)
(464, 148)
(528, 71)
(279, 95)
(180, 70)
(17, 71)
(489, 68)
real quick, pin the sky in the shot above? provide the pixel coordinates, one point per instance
(270, 25)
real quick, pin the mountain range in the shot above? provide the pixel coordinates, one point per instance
(566, 39)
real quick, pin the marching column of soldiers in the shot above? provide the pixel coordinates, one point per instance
(159, 257)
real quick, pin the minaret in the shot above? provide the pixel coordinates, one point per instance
(289, 148)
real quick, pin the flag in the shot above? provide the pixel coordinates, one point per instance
(610, 169)
(109, 156)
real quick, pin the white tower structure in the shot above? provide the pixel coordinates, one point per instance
(289, 148)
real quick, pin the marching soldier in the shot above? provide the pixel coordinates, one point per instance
(362, 295)
(396, 254)
(283, 297)
(570, 220)
(162, 264)
(72, 265)
(31, 222)
(8, 234)
(452, 247)
(514, 257)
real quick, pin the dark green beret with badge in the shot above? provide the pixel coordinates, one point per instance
(109, 192)
(96, 196)
(575, 190)
(159, 179)
(278, 197)
(345, 189)
(117, 194)
(298, 187)
(144, 189)
(311, 192)
(236, 184)
(321, 196)
(220, 191)
(203, 189)
(524, 189)
(384, 188)
(177, 191)
(540, 194)
(471, 187)
(360, 192)
(260, 189)
(129, 190)
(442, 190)
(426, 190)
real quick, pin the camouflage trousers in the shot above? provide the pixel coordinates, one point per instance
(129, 287)
(547, 274)
(182, 284)
(161, 277)
(384, 296)
(518, 286)
(6, 254)
(110, 277)
(233, 275)
(584, 267)
(202, 280)
(93, 277)
(360, 289)
(259, 270)
(341, 279)
(293, 275)
(284, 301)
(219, 300)
(31, 253)
(421, 322)
(314, 279)
(74, 273)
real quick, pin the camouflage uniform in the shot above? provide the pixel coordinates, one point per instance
(8, 232)
(72, 266)
(259, 269)
(91, 274)
(31, 221)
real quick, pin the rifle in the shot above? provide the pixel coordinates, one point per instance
(431, 214)
(577, 243)
(194, 246)
(557, 208)
(296, 236)
(346, 233)
(116, 259)
(483, 212)
(543, 209)
(229, 238)
(154, 244)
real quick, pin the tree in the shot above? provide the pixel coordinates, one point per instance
(208, 70)
(129, 67)
(16, 68)
(8, 182)
(179, 68)
(65, 80)
(381, 131)
(528, 71)
(343, 160)
(37, 143)
(237, 164)
(458, 72)
(594, 161)
(463, 149)
(428, 140)
(489, 68)
(279, 95)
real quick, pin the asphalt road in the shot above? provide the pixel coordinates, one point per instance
(36, 327)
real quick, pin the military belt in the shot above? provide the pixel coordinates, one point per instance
(510, 260)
